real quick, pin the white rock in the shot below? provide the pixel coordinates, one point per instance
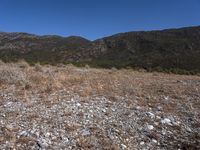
(166, 121)
(112, 109)
(43, 143)
(123, 146)
(164, 132)
(176, 123)
(166, 97)
(188, 129)
(47, 134)
(78, 104)
(154, 141)
(23, 133)
(37, 134)
(65, 139)
(150, 114)
(142, 143)
(150, 127)
(104, 110)
(138, 107)
(9, 127)
(158, 117)
(156, 123)
(8, 104)
(159, 108)
(85, 132)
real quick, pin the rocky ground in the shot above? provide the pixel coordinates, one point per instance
(66, 107)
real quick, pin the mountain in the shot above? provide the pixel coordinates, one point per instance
(171, 49)
(52, 49)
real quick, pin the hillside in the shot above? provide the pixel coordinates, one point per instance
(49, 49)
(65, 107)
(172, 49)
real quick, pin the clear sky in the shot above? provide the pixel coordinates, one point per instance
(94, 19)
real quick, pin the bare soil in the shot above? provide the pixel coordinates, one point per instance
(64, 107)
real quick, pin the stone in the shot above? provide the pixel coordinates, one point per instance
(85, 133)
(166, 121)
(154, 140)
(78, 104)
(150, 114)
(123, 146)
(150, 127)
(142, 143)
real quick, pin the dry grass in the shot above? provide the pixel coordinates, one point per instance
(11, 74)
(112, 84)
(176, 95)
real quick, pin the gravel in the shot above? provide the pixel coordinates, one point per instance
(64, 119)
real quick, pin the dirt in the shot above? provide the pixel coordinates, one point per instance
(49, 107)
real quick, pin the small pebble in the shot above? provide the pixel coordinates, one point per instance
(142, 143)
(166, 121)
(150, 127)
(123, 146)
(154, 141)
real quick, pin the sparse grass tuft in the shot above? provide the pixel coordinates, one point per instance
(23, 64)
(1, 63)
(38, 67)
(10, 74)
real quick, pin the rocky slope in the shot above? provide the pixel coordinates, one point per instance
(166, 49)
(48, 107)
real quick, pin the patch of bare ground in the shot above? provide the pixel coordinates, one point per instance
(49, 107)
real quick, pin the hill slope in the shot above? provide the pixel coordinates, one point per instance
(166, 49)
(51, 107)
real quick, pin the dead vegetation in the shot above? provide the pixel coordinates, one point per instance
(67, 107)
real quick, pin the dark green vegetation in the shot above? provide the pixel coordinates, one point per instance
(173, 50)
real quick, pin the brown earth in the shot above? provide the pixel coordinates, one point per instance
(65, 107)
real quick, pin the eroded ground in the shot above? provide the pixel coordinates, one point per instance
(81, 108)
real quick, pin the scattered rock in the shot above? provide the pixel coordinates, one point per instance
(150, 114)
(85, 132)
(150, 127)
(166, 121)
(142, 143)
(137, 118)
(78, 104)
(123, 146)
(154, 141)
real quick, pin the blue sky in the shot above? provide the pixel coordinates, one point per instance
(94, 19)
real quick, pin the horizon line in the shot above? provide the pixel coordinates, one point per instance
(63, 36)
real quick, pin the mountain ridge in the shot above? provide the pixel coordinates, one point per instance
(153, 30)
(166, 49)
